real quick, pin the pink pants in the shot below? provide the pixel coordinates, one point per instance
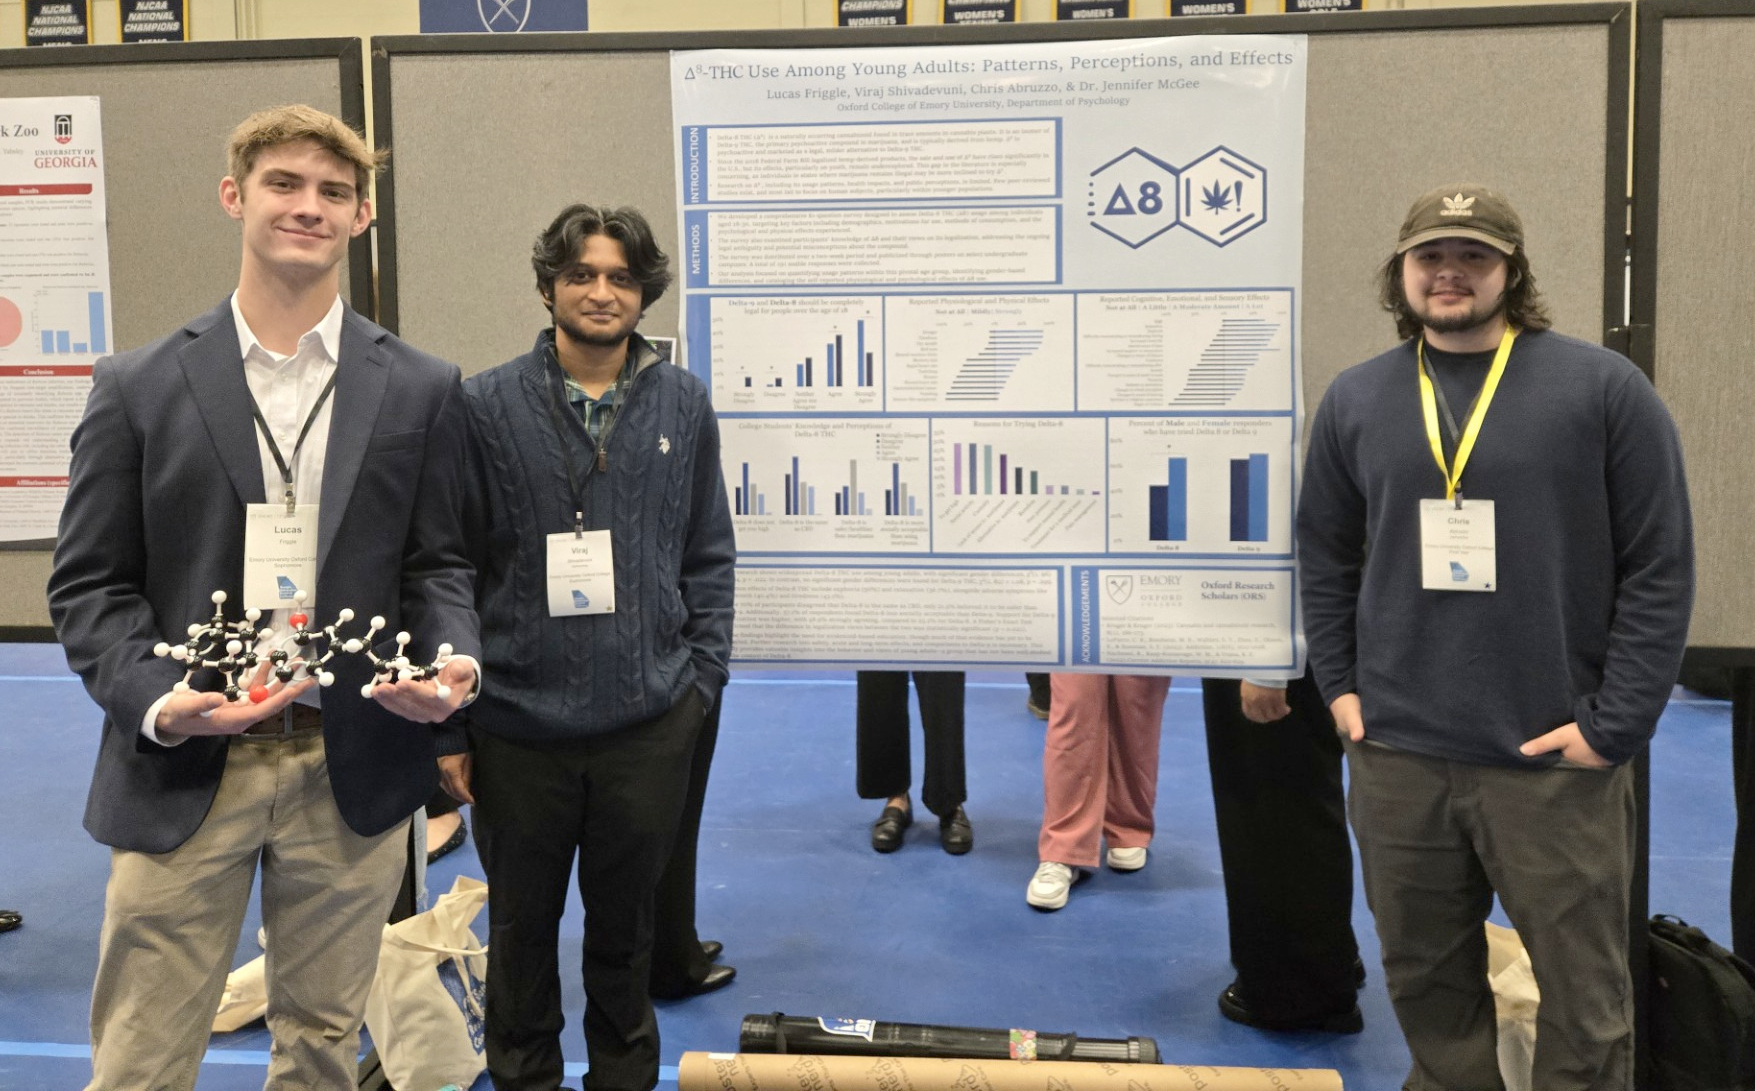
(1100, 765)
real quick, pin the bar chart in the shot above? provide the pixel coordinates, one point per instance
(1026, 485)
(980, 353)
(47, 324)
(827, 484)
(1211, 486)
(1199, 351)
(790, 353)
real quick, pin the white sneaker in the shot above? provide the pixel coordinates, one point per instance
(1049, 886)
(1127, 859)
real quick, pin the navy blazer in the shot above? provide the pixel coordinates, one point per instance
(164, 461)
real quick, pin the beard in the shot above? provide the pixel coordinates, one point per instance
(1479, 314)
(602, 338)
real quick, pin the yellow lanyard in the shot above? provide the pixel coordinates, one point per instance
(1429, 405)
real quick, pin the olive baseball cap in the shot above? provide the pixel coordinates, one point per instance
(1465, 211)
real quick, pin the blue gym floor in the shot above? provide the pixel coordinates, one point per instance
(814, 921)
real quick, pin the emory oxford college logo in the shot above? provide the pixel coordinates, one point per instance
(504, 16)
(1120, 588)
(63, 128)
(1458, 206)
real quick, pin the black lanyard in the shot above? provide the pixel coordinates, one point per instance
(286, 473)
(602, 442)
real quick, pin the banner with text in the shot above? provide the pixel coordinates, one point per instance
(960, 12)
(1210, 7)
(874, 13)
(155, 20)
(54, 301)
(1003, 343)
(57, 22)
(1093, 9)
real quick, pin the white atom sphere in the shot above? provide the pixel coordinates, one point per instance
(233, 647)
(179, 653)
(253, 614)
(366, 691)
(195, 630)
(325, 678)
(352, 647)
(218, 597)
(345, 615)
(298, 596)
(161, 649)
(445, 651)
(264, 634)
(444, 693)
(180, 687)
(378, 621)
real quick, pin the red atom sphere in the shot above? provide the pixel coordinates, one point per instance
(298, 621)
(258, 694)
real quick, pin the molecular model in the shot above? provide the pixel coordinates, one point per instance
(232, 649)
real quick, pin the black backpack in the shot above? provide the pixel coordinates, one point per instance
(1702, 1003)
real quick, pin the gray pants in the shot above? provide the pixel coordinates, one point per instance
(1437, 839)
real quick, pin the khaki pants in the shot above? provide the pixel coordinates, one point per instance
(171, 926)
(1437, 839)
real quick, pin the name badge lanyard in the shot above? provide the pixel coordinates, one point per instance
(602, 460)
(286, 470)
(1431, 396)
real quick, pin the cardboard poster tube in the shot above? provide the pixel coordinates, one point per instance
(806, 1072)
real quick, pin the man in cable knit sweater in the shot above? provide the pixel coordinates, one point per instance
(604, 552)
(1497, 555)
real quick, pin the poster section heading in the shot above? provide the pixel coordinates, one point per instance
(874, 13)
(57, 22)
(54, 301)
(1009, 377)
(154, 21)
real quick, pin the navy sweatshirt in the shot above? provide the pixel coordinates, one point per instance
(662, 497)
(1595, 557)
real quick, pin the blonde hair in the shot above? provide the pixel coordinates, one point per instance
(281, 125)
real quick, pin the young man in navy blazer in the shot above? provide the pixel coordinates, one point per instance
(279, 406)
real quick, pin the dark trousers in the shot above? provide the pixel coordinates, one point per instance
(882, 737)
(1282, 820)
(1743, 769)
(612, 800)
(677, 961)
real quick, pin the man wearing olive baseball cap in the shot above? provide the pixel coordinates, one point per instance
(1502, 651)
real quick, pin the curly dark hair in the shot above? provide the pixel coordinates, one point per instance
(557, 249)
(1524, 307)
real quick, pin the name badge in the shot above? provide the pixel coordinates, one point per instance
(1457, 550)
(280, 556)
(581, 574)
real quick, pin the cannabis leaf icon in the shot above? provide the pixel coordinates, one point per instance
(1217, 197)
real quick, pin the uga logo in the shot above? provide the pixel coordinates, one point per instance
(63, 128)
(504, 16)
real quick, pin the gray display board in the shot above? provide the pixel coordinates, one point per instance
(167, 111)
(493, 136)
(1694, 264)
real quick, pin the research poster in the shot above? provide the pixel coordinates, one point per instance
(54, 301)
(1004, 346)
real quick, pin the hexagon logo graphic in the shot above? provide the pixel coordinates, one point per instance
(1224, 196)
(1132, 198)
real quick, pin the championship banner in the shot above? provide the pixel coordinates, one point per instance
(874, 13)
(960, 12)
(1093, 9)
(1302, 7)
(57, 22)
(501, 16)
(1209, 7)
(154, 20)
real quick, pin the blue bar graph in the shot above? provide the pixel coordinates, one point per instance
(1169, 504)
(1249, 499)
(95, 304)
(95, 339)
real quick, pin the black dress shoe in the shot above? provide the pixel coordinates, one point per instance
(886, 832)
(10, 919)
(955, 834)
(452, 843)
(711, 949)
(1233, 1006)
(717, 978)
